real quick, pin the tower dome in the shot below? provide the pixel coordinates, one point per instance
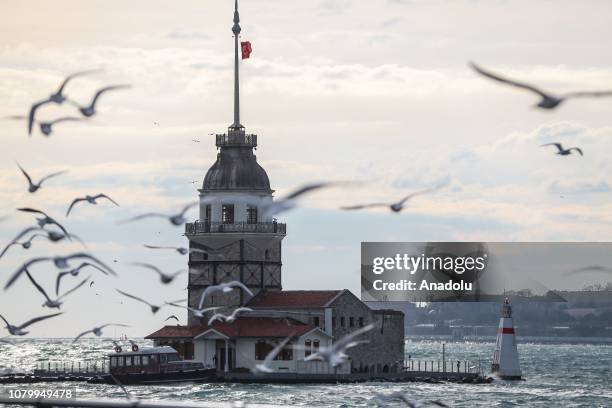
(236, 168)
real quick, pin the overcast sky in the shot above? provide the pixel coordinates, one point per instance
(376, 91)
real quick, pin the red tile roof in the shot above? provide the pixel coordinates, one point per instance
(243, 327)
(293, 298)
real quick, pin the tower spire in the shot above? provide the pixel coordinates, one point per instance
(236, 30)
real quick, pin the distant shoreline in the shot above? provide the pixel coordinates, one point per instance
(520, 340)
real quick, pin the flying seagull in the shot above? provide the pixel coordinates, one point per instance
(172, 317)
(46, 127)
(289, 202)
(18, 330)
(60, 262)
(90, 110)
(231, 318)
(590, 268)
(27, 244)
(175, 219)
(50, 303)
(90, 200)
(45, 220)
(164, 277)
(180, 250)
(58, 97)
(75, 272)
(549, 101)
(563, 152)
(98, 330)
(196, 312)
(395, 207)
(336, 353)
(33, 187)
(265, 366)
(154, 309)
(225, 288)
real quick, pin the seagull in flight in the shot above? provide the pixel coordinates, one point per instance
(172, 317)
(265, 366)
(395, 207)
(336, 353)
(46, 127)
(563, 152)
(98, 330)
(18, 330)
(33, 187)
(90, 200)
(164, 277)
(45, 220)
(225, 288)
(75, 272)
(231, 318)
(90, 110)
(196, 312)
(548, 101)
(60, 262)
(51, 303)
(154, 308)
(180, 250)
(590, 268)
(25, 244)
(175, 219)
(289, 202)
(58, 97)
(50, 235)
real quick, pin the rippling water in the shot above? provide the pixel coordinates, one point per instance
(556, 375)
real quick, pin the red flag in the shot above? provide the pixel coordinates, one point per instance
(246, 49)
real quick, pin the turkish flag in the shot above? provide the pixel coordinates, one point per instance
(246, 49)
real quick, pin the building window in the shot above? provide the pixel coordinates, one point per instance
(342, 321)
(251, 214)
(207, 213)
(307, 348)
(315, 346)
(351, 322)
(113, 362)
(119, 361)
(137, 360)
(145, 360)
(361, 322)
(227, 214)
(333, 322)
(261, 350)
(128, 361)
(267, 255)
(286, 354)
(315, 321)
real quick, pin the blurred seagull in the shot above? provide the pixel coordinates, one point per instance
(172, 317)
(265, 366)
(548, 101)
(175, 219)
(58, 97)
(46, 127)
(231, 318)
(180, 250)
(33, 187)
(289, 202)
(164, 277)
(90, 200)
(336, 353)
(45, 220)
(563, 152)
(395, 207)
(225, 288)
(196, 312)
(98, 330)
(154, 308)
(75, 272)
(590, 268)
(25, 244)
(60, 262)
(50, 303)
(18, 330)
(90, 110)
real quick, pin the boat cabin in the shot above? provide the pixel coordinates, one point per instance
(151, 360)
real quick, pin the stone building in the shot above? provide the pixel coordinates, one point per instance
(234, 240)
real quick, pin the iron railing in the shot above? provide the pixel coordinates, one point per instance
(236, 139)
(200, 227)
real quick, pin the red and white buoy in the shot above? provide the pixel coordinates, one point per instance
(505, 359)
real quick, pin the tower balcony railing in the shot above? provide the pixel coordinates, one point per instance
(202, 227)
(236, 138)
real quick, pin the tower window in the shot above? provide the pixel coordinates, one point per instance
(315, 321)
(207, 213)
(342, 321)
(227, 214)
(351, 322)
(251, 214)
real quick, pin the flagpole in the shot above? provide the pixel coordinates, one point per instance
(236, 30)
